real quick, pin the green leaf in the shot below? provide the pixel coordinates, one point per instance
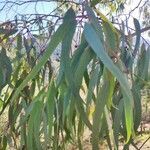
(23, 137)
(1, 104)
(58, 36)
(146, 69)
(80, 108)
(50, 106)
(138, 36)
(66, 103)
(30, 133)
(66, 47)
(136, 89)
(5, 68)
(79, 74)
(95, 2)
(117, 121)
(80, 132)
(19, 42)
(33, 136)
(29, 109)
(70, 115)
(143, 63)
(94, 22)
(37, 123)
(27, 48)
(83, 63)
(98, 48)
(112, 41)
(45, 130)
(92, 84)
(2, 80)
(77, 55)
(112, 81)
(102, 100)
(123, 38)
(110, 128)
(4, 142)
(13, 114)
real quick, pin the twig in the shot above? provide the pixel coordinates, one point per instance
(134, 34)
(142, 30)
(144, 5)
(144, 143)
(134, 145)
(134, 8)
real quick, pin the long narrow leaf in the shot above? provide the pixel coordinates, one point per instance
(98, 48)
(138, 36)
(55, 40)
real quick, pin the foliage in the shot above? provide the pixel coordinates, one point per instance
(49, 109)
(146, 14)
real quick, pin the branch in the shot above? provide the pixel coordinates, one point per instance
(20, 3)
(142, 30)
(134, 8)
(144, 143)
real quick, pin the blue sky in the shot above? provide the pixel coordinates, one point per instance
(47, 7)
(41, 7)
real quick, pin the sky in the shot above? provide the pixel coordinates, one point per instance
(47, 7)
(131, 4)
(29, 8)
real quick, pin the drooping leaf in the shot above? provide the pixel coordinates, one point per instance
(80, 108)
(77, 55)
(37, 123)
(117, 121)
(27, 48)
(138, 36)
(101, 102)
(5, 68)
(66, 47)
(98, 48)
(58, 36)
(143, 63)
(33, 133)
(84, 61)
(29, 109)
(94, 22)
(137, 103)
(50, 106)
(112, 41)
(92, 85)
(110, 129)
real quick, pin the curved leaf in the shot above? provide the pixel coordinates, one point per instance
(58, 36)
(98, 48)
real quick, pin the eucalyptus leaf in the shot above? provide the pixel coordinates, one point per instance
(58, 36)
(99, 49)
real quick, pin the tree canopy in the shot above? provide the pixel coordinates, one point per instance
(78, 66)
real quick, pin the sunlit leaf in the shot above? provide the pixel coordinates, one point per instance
(98, 48)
